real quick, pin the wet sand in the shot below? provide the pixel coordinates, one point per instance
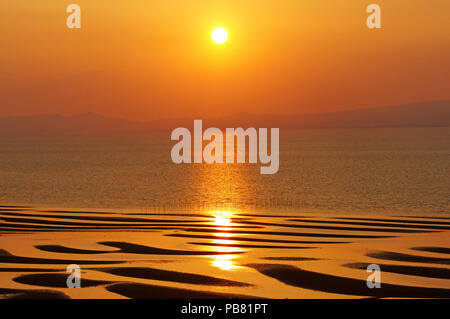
(222, 254)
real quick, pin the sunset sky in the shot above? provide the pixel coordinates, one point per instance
(145, 60)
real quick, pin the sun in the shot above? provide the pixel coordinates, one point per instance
(219, 35)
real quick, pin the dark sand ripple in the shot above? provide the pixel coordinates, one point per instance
(291, 258)
(15, 230)
(388, 255)
(404, 221)
(76, 212)
(11, 227)
(277, 233)
(107, 219)
(68, 250)
(15, 221)
(429, 272)
(374, 224)
(32, 294)
(142, 291)
(56, 281)
(130, 248)
(97, 225)
(172, 214)
(249, 246)
(6, 257)
(431, 217)
(262, 240)
(360, 229)
(297, 277)
(439, 250)
(172, 276)
(29, 270)
(267, 215)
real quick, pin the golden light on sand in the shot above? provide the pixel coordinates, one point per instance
(222, 218)
(219, 35)
(225, 262)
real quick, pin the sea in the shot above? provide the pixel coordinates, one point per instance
(393, 171)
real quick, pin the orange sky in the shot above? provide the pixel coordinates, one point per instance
(146, 59)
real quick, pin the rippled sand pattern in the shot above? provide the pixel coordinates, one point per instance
(220, 254)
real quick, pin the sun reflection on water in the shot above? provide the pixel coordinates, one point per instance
(222, 217)
(225, 262)
(223, 220)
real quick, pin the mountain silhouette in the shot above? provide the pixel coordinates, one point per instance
(424, 114)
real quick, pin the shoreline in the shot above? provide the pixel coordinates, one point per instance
(220, 254)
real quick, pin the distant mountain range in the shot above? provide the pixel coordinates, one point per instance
(424, 114)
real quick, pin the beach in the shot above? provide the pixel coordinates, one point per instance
(220, 254)
(248, 151)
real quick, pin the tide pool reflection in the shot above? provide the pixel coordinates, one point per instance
(225, 262)
(223, 221)
(222, 217)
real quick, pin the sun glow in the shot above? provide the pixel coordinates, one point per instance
(222, 218)
(225, 262)
(219, 35)
(224, 242)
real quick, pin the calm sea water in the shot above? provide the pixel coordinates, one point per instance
(386, 171)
